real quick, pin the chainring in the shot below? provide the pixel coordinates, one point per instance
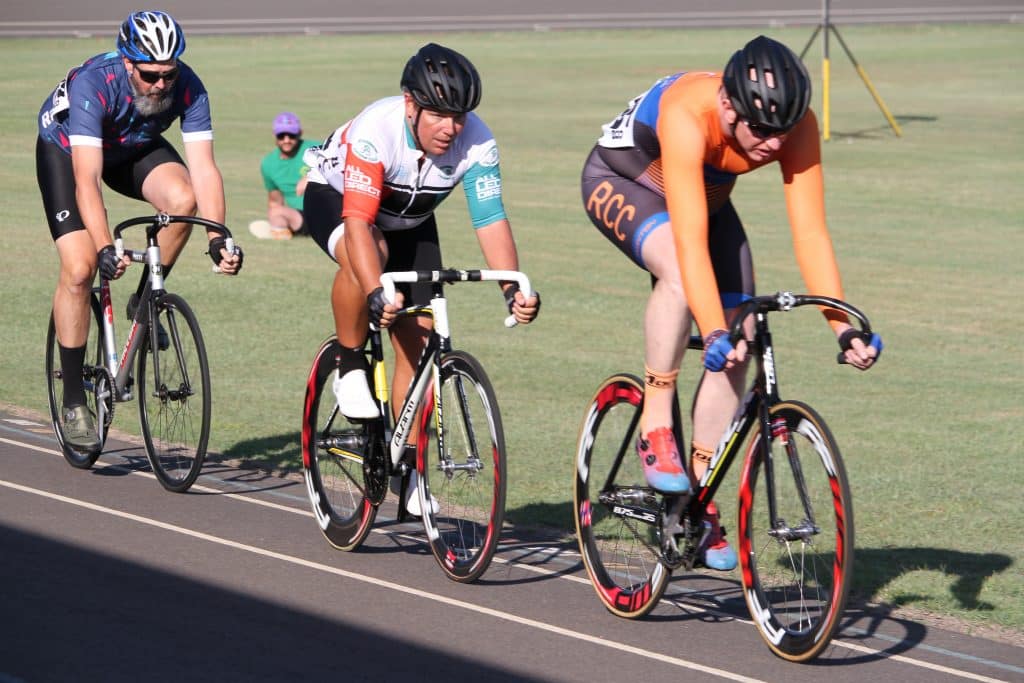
(376, 464)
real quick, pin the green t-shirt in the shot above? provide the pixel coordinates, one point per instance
(284, 174)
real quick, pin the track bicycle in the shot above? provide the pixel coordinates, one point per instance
(448, 431)
(795, 521)
(171, 377)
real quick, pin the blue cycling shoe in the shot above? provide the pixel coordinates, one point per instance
(715, 552)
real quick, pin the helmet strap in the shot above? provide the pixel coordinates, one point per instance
(416, 129)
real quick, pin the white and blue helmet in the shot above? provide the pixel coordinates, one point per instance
(150, 36)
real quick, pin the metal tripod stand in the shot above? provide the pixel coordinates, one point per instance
(825, 27)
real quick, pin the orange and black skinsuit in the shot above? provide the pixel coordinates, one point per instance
(666, 159)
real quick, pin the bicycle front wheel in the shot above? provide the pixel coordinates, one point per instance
(462, 483)
(96, 380)
(616, 512)
(174, 394)
(797, 563)
(335, 457)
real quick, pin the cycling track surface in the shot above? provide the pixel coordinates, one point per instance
(107, 577)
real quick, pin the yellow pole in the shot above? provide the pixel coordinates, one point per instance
(871, 89)
(826, 118)
(825, 122)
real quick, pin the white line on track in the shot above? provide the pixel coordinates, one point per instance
(445, 600)
(380, 583)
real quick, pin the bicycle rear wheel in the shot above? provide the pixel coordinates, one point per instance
(616, 512)
(335, 457)
(174, 395)
(796, 567)
(465, 473)
(96, 379)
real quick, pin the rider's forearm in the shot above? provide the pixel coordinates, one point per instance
(209, 189)
(362, 253)
(498, 245)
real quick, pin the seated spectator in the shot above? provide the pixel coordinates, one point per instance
(284, 177)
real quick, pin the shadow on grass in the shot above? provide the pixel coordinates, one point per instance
(276, 455)
(883, 128)
(877, 567)
(554, 519)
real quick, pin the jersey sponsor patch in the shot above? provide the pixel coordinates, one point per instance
(487, 186)
(490, 157)
(357, 181)
(365, 150)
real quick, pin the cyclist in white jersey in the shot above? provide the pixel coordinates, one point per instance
(373, 187)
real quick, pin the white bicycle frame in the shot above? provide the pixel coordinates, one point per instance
(440, 340)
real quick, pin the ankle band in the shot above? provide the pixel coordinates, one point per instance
(657, 379)
(701, 453)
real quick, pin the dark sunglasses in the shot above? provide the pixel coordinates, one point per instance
(762, 132)
(283, 136)
(152, 77)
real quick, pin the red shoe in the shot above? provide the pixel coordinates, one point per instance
(715, 551)
(663, 468)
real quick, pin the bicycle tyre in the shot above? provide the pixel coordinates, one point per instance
(333, 456)
(796, 588)
(467, 478)
(621, 554)
(174, 395)
(92, 371)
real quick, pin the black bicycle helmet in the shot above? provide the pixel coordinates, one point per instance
(442, 80)
(778, 106)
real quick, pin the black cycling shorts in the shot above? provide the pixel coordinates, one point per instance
(413, 249)
(626, 213)
(56, 179)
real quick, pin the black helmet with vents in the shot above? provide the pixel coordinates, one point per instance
(767, 84)
(440, 79)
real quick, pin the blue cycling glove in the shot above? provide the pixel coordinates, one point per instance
(716, 350)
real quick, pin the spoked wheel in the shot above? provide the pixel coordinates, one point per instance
(796, 567)
(462, 470)
(339, 457)
(616, 512)
(174, 395)
(98, 396)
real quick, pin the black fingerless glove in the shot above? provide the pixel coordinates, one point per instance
(375, 301)
(107, 261)
(510, 298)
(847, 337)
(218, 243)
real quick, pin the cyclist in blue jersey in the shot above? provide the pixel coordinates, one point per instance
(103, 124)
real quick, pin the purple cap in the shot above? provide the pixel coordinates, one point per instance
(287, 122)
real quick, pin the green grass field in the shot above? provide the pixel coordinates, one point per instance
(928, 228)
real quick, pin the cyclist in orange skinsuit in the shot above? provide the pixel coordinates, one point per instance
(658, 185)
